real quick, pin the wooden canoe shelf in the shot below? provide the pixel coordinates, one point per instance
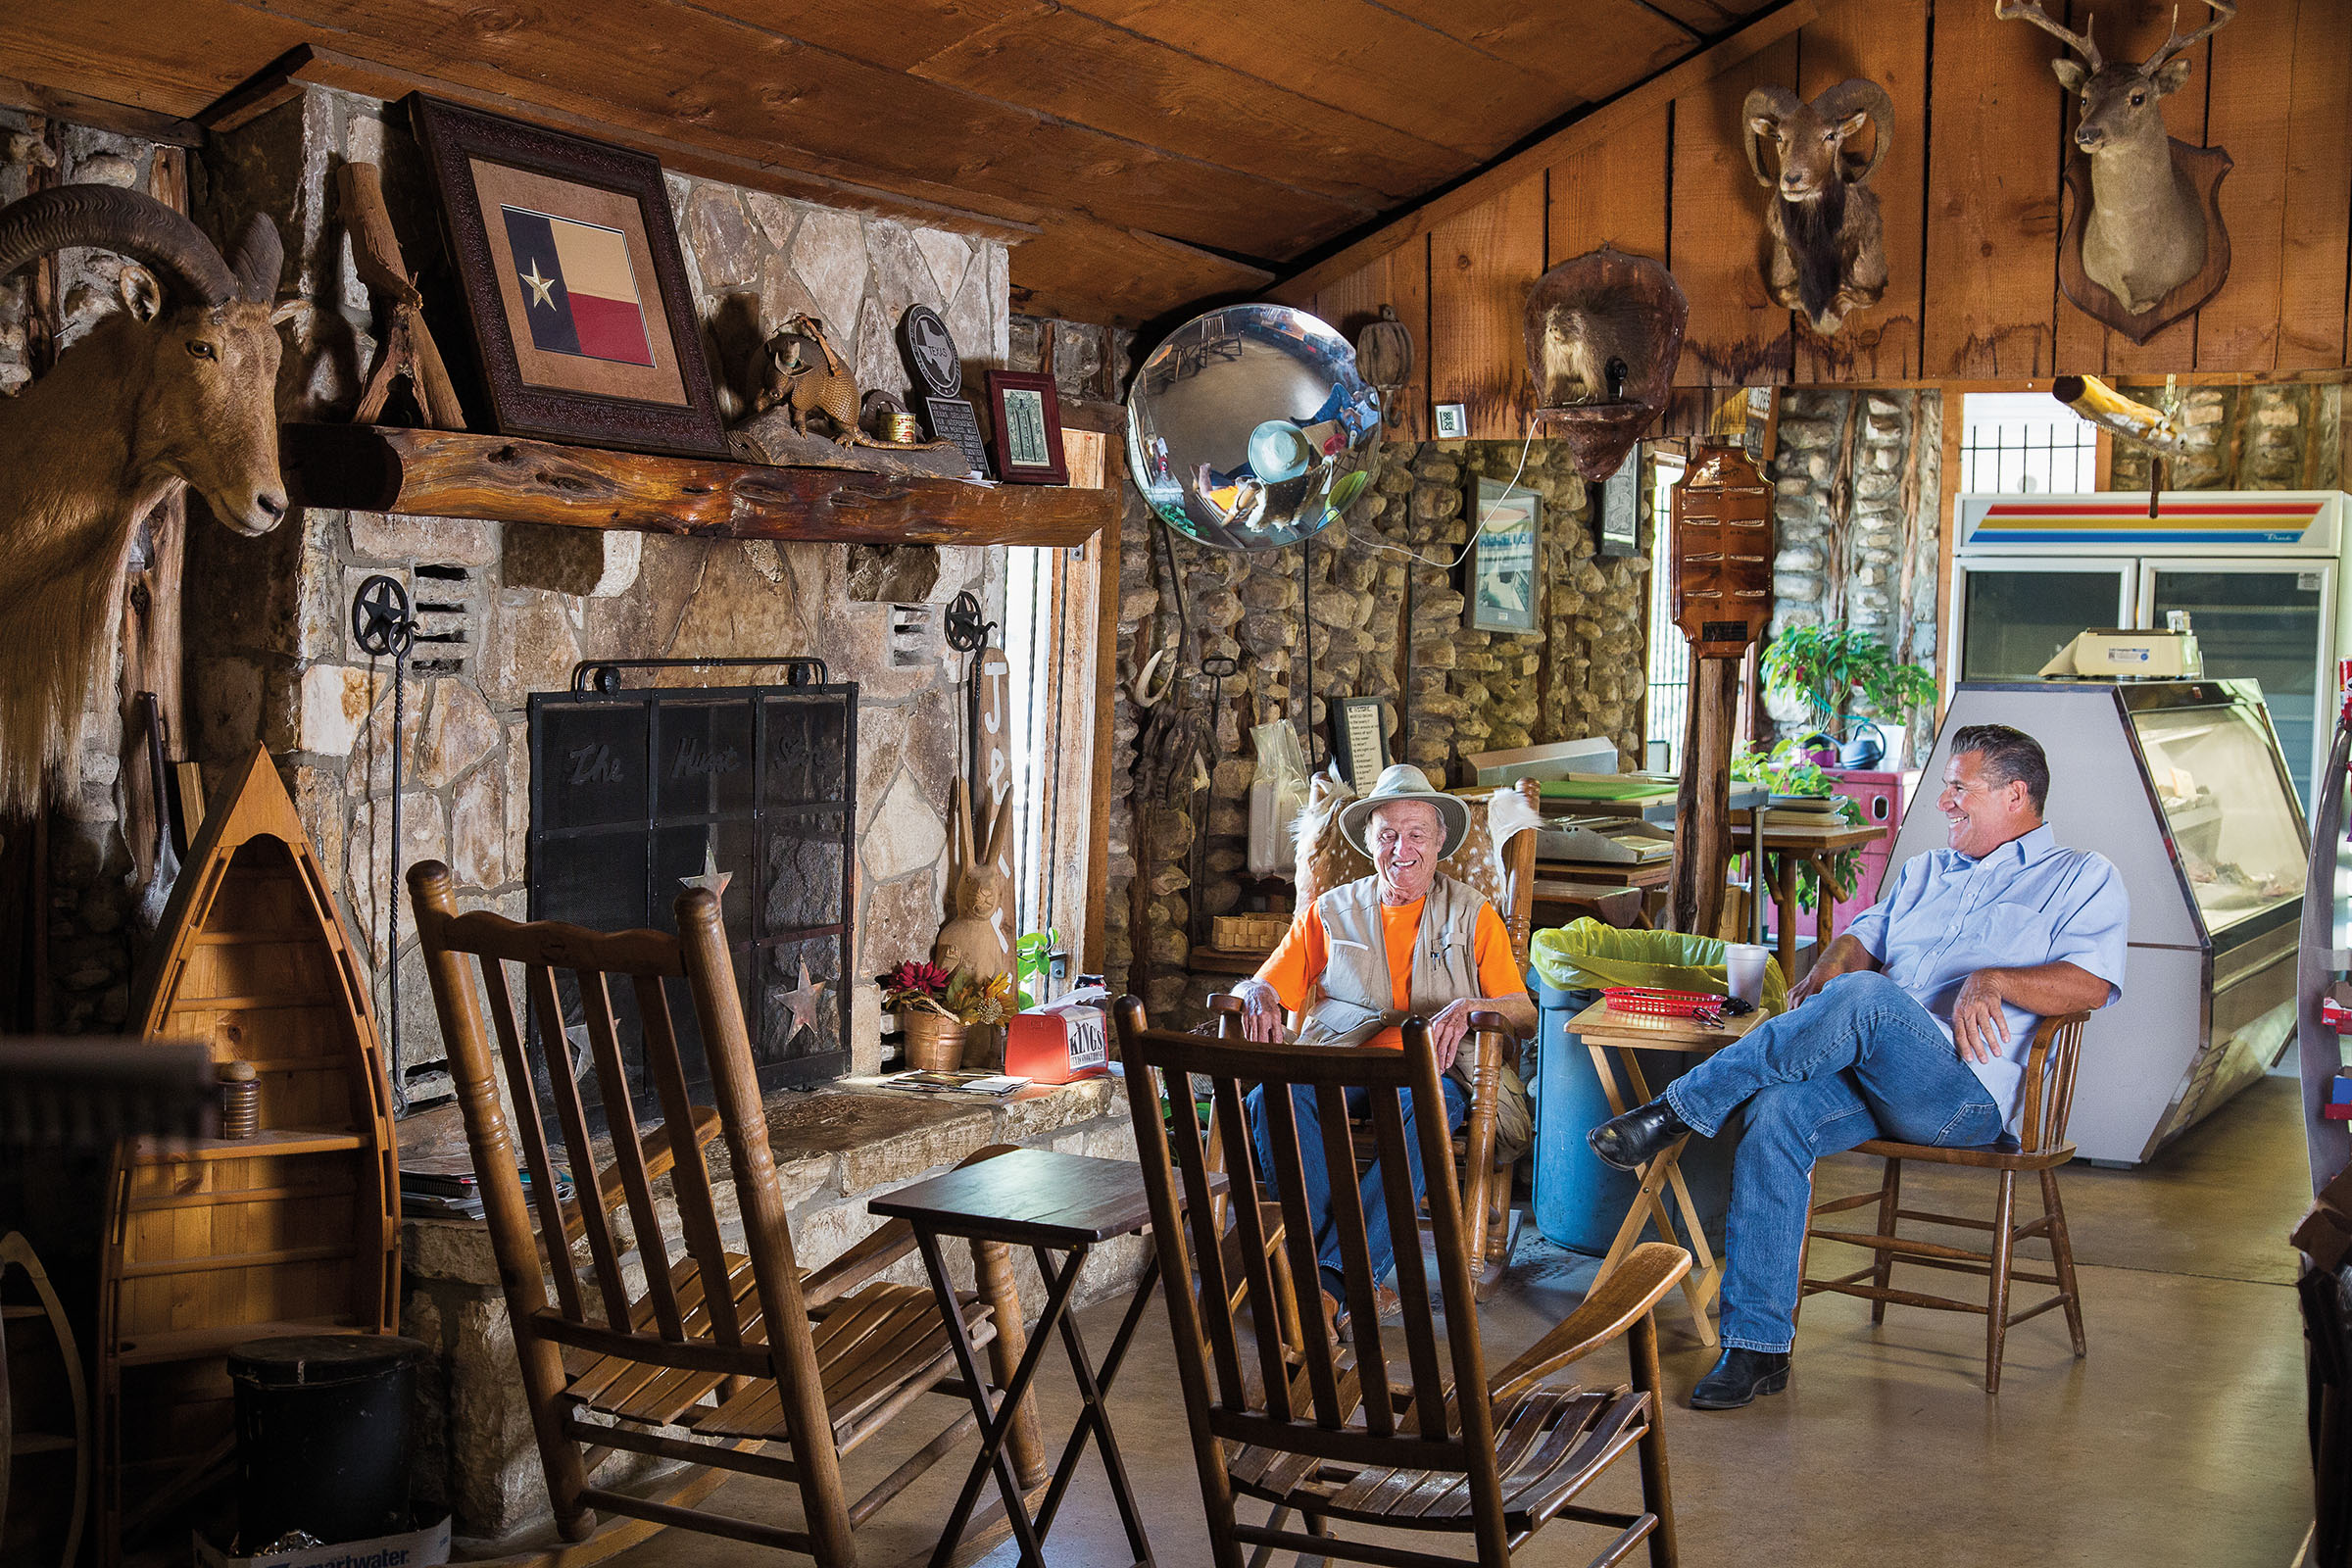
(443, 474)
(263, 1144)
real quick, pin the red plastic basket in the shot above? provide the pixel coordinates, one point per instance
(1663, 1003)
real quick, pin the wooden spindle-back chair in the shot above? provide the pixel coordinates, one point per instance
(1321, 1429)
(2046, 1098)
(740, 1348)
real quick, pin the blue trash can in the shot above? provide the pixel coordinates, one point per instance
(1580, 1201)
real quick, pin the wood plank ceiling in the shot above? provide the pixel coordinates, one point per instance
(1144, 153)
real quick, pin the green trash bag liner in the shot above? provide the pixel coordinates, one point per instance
(1589, 954)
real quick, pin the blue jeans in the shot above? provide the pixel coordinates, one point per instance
(1377, 1239)
(1858, 1061)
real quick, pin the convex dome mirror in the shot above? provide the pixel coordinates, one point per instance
(1250, 428)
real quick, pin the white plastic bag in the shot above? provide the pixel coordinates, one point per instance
(1276, 796)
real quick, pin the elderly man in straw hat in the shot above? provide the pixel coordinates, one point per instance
(1363, 956)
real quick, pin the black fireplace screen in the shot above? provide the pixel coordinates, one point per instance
(636, 795)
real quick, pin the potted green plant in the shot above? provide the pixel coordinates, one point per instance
(1820, 671)
(938, 1011)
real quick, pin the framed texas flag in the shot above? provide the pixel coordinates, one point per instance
(583, 324)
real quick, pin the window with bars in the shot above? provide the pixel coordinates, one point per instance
(2026, 443)
(1669, 701)
(1051, 622)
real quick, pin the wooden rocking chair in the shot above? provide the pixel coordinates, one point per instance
(1323, 1431)
(742, 1350)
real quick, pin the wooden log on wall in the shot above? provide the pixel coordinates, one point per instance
(1991, 268)
(1889, 45)
(1480, 265)
(1738, 336)
(1614, 193)
(2134, 29)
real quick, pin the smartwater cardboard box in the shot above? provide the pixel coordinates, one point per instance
(2130, 655)
(419, 1548)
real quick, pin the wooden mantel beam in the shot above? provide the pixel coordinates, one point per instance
(1595, 125)
(442, 474)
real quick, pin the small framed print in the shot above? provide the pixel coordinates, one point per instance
(1025, 438)
(1620, 512)
(1360, 736)
(583, 324)
(1502, 587)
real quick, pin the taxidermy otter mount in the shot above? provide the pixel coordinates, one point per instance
(1604, 333)
(1828, 253)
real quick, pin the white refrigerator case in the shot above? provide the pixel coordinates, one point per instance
(2181, 785)
(2258, 571)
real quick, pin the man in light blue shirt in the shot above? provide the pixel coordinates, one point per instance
(1916, 1026)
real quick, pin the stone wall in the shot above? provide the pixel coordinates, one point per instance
(507, 612)
(1855, 480)
(2287, 437)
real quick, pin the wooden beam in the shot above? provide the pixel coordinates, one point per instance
(445, 473)
(1621, 114)
(1084, 270)
(81, 109)
(805, 179)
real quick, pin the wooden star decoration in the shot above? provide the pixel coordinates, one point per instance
(711, 876)
(801, 1001)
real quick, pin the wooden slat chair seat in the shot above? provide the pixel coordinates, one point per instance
(2047, 1097)
(1445, 1448)
(810, 1363)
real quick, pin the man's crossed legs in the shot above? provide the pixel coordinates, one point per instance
(1860, 1061)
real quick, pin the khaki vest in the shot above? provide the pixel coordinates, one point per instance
(1357, 999)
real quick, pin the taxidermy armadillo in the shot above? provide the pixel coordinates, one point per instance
(803, 373)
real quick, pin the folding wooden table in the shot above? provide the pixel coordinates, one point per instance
(1604, 1030)
(1050, 1202)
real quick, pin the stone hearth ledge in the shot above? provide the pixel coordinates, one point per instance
(835, 1148)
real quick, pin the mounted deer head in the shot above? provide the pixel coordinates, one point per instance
(2146, 233)
(1829, 254)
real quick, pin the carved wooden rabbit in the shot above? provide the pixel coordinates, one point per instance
(978, 933)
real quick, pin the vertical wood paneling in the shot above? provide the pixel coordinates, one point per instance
(1480, 268)
(1738, 336)
(1991, 272)
(1400, 279)
(1889, 45)
(2312, 328)
(2134, 30)
(1614, 193)
(2248, 114)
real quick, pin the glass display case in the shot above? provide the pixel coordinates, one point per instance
(2214, 771)
(2183, 786)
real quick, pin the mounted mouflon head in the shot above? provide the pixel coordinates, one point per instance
(2146, 234)
(1829, 254)
(178, 387)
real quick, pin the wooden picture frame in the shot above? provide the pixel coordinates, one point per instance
(1024, 428)
(583, 324)
(1505, 581)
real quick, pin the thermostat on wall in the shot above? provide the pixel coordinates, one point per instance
(1453, 421)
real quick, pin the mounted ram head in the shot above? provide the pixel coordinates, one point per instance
(1828, 256)
(178, 387)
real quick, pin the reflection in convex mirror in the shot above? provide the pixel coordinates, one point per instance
(1250, 428)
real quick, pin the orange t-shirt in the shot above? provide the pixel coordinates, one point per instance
(1298, 960)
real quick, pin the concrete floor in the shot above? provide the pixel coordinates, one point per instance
(2179, 1440)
